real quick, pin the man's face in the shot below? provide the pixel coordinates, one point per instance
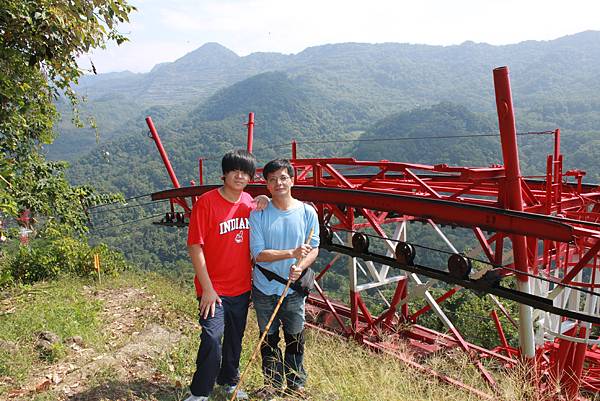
(279, 183)
(236, 180)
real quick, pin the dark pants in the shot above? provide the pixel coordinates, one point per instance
(215, 362)
(288, 368)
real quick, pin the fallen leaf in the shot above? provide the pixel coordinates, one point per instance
(43, 386)
(16, 393)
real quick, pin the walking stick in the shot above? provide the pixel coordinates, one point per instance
(268, 326)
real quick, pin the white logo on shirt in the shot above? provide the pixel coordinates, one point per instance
(238, 223)
(239, 237)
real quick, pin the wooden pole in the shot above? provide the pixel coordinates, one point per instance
(97, 266)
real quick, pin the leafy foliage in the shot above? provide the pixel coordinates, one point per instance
(47, 259)
(443, 128)
(470, 314)
(50, 35)
(39, 43)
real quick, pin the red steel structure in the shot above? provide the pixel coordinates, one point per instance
(544, 234)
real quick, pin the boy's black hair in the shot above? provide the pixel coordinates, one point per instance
(278, 164)
(239, 159)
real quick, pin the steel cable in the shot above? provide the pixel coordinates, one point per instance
(505, 267)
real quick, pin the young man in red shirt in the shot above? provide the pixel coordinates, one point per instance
(218, 244)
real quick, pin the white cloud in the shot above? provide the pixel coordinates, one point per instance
(163, 31)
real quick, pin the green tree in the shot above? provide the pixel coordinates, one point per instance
(40, 41)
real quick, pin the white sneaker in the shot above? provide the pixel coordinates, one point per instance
(196, 398)
(241, 394)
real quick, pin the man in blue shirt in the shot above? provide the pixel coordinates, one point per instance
(279, 243)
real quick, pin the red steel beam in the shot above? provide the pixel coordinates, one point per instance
(440, 211)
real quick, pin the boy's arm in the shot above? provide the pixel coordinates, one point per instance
(260, 202)
(209, 297)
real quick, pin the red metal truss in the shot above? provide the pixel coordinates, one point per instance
(545, 233)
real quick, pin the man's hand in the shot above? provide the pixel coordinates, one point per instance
(295, 272)
(208, 303)
(301, 251)
(261, 202)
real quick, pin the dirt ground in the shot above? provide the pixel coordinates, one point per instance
(122, 370)
(125, 369)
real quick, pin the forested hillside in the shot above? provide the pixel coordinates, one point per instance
(360, 83)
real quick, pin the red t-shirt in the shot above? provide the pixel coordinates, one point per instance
(222, 228)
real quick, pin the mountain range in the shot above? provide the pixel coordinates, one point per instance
(554, 83)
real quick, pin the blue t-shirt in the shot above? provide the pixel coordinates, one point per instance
(272, 228)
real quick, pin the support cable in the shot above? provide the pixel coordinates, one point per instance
(505, 267)
(129, 206)
(127, 222)
(124, 200)
(408, 138)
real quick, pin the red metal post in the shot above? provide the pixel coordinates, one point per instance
(514, 198)
(162, 152)
(556, 154)
(572, 364)
(558, 185)
(508, 135)
(499, 329)
(549, 184)
(250, 126)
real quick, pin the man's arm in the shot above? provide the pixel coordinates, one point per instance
(297, 269)
(273, 255)
(209, 297)
(309, 259)
(312, 221)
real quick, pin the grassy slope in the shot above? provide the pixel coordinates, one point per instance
(139, 341)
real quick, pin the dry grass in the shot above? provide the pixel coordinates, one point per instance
(338, 369)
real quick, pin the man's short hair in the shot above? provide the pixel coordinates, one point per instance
(239, 160)
(278, 164)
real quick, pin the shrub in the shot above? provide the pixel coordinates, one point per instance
(5, 276)
(46, 259)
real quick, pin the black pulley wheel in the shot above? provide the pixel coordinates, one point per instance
(405, 253)
(459, 266)
(360, 243)
(326, 235)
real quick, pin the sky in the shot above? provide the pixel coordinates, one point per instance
(165, 30)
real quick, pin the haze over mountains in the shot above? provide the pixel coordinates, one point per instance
(554, 83)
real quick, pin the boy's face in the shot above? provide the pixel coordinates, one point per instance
(236, 180)
(280, 183)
